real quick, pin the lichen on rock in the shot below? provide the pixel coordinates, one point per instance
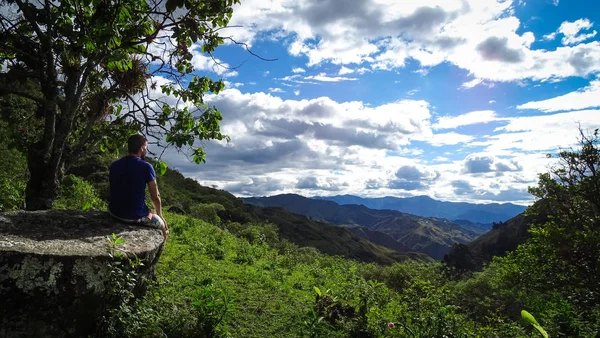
(95, 276)
(34, 273)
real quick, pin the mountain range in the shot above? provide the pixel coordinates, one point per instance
(426, 206)
(393, 229)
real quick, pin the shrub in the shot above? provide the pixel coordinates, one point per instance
(78, 194)
(207, 212)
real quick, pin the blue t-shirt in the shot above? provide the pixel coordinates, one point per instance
(128, 178)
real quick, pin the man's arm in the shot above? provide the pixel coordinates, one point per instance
(155, 196)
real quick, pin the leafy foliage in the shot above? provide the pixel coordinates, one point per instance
(207, 212)
(13, 174)
(78, 194)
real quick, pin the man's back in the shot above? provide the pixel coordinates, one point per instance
(128, 178)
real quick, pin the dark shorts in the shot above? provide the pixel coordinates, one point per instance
(152, 220)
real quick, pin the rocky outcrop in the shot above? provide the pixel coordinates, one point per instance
(55, 275)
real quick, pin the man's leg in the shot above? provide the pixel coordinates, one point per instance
(155, 221)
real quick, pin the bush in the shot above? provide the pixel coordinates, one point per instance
(207, 212)
(78, 194)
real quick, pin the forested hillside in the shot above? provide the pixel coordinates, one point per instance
(428, 235)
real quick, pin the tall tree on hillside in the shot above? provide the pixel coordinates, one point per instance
(556, 273)
(96, 71)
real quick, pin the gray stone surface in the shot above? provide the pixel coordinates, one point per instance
(54, 274)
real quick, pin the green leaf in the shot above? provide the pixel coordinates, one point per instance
(87, 206)
(528, 317)
(317, 290)
(161, 168)
(119, 241)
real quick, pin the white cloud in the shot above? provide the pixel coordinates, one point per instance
(587, 97)
(476, 82)
(206, 63)
(326, 78)
(233, 84)
(298, 70)
(276, 90)
(572, 31)
(345, 70)
(475, 117)
(550, 37)
(441, 159)
(452, 138)
(288, 140)
(353, 148)
(492, 101)
(482, 37)
(296, 92)
(540, 133)
(472, 83)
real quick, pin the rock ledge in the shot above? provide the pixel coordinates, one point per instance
(54, 274)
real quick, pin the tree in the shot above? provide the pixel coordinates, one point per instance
(570, 239)
(556, 273)
(96, 71)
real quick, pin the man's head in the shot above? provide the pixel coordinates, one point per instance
(137, 145)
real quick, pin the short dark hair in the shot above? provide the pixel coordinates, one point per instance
(135, 143)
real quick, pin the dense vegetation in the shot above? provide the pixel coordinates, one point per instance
(228, 271)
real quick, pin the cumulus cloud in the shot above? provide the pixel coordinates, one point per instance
(481, 36)
(572, 31)
(496, 49)
(345, 70)
(255, 186)
(410, 177)
(540, 133)
(481, 164)
(462, 187)
(466, 189)
(317, 183)
(320, 146)
(587, 97)
(206, 63)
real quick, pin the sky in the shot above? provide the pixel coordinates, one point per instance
(459, 100)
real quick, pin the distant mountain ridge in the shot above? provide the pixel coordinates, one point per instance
(427, 207)
(428, 235)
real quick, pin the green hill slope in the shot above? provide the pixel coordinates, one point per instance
(428, 235)
(503, 238)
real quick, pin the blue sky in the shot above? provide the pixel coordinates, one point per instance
(459, 100)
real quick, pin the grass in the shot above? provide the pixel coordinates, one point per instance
(247, 282)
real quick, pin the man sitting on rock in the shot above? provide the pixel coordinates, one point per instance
(128, 177)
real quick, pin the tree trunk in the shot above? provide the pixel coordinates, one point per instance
(44, 180)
